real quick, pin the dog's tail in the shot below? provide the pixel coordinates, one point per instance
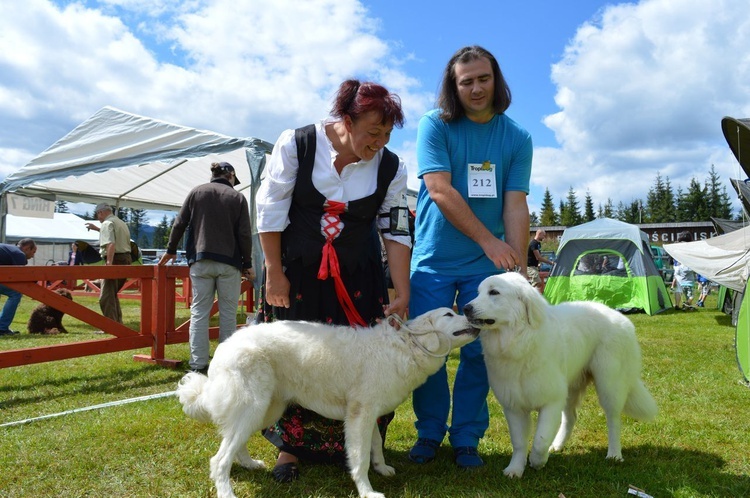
(190, 391)
(640, 404)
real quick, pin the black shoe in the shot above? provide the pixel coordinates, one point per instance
(8, 332)
(203, 370)
(286, 472)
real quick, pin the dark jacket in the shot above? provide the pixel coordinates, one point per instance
(12, 255)
(217, 221)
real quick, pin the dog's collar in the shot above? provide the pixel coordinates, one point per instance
(412, 337)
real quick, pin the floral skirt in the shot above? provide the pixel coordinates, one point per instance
(312, 437)
(301, 432)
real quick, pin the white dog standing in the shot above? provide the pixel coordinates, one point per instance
(542, 357)
(354, 375)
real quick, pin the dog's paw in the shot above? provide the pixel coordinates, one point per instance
(616, 457)
(249, 463)
(384, 470)
(538, 460)
(373, 494)
(513, 471)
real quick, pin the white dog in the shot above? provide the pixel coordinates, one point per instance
(343, 373)
(542, 357)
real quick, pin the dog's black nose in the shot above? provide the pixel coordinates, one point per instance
(468, 309)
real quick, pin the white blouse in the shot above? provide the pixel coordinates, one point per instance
(356, 180)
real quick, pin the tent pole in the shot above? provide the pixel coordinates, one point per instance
(165, 171)
(3, 212)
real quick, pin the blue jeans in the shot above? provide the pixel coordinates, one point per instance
(208, 279)
(11, 305)
(432, 400)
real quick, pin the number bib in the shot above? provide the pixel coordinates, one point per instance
(482, 180)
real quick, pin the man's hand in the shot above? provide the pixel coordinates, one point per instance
(248, 273)
(165, 258)
(501, 253)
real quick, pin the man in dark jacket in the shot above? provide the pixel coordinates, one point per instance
(18, 254)
(218, 248)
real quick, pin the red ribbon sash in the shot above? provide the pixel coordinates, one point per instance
(329, 266)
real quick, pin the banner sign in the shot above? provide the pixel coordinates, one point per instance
(32, 207)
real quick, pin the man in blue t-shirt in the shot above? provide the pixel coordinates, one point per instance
(10, 255)
(472, 222)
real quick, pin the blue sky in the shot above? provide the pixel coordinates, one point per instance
(613, 93)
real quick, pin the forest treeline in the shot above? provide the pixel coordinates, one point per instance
(663, 204)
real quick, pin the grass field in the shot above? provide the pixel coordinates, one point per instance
(697, 447)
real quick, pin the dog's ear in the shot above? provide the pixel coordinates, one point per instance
(536, 306)
(430, 341)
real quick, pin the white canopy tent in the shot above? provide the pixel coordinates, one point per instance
(723, 259)
(63, 228)
(133, 161)
(136, 162)
(53, 236)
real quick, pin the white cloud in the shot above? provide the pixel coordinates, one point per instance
(239, 68)
(642, 89)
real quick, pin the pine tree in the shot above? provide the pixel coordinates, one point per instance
(143, 241)
(719, 204)
(609, 209)
(633, 212)
(137, 219)
(694, 203)
(533, 219)
(161, 234)
(621, 213)
(572, 215)
(682, 211)
(61, 207)
(122, 213)
(588, 211)
(725, 210)
(548, 216)
(563, 208)
(659, 202)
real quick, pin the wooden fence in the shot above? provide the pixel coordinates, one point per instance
(159, 288)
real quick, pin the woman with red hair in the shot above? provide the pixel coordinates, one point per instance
(330, 189)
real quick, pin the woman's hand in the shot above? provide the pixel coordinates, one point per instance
(399, 306)
(277, 289)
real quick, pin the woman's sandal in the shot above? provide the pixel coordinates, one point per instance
(286, 472)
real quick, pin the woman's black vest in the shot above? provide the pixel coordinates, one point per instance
(359, 239)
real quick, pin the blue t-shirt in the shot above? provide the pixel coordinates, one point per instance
(439, 247)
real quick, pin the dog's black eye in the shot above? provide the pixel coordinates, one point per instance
(448, 314)
(493, 292)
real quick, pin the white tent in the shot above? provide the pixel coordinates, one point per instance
(63, 228)
(136, 162)
(723, 259)
(133, 161)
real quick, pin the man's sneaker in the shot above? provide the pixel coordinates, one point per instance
(203, 370)
(424, 450)
(467, 457)
(8, 332)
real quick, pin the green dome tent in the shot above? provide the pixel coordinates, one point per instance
(607, 261)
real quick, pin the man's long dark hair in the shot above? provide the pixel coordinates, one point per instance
(450, 106)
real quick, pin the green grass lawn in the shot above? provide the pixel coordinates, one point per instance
(697, 447)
